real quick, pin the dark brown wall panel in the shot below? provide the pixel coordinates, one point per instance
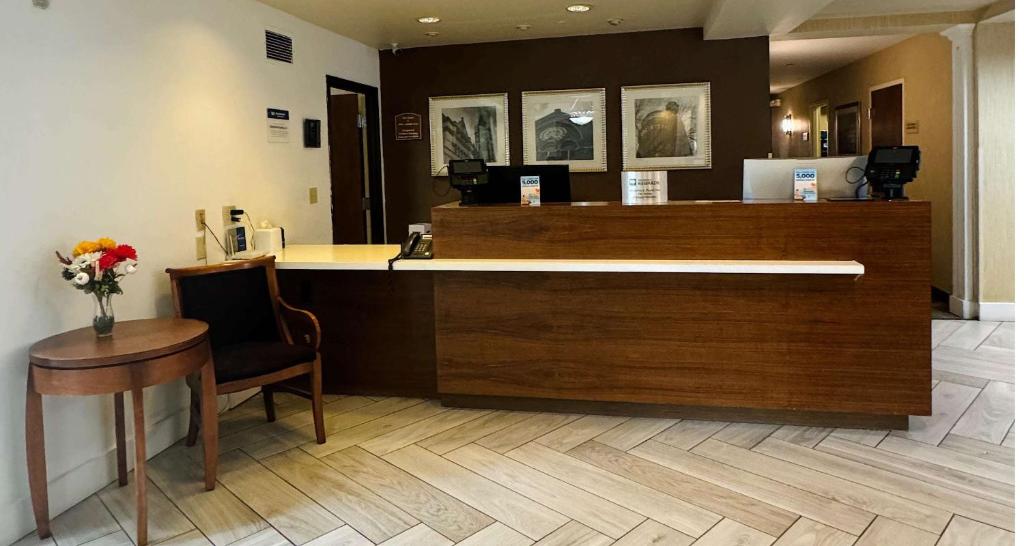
(737, 70)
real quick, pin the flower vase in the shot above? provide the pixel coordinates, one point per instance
(103, 315)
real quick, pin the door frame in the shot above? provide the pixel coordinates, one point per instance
(903, 110)
(373, 152)
(813, 119)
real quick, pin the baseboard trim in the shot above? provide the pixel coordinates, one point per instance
(996, 311)
(963, 308)
(77, 484)
(703, 413)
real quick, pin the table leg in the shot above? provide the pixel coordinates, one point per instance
(141, 516)
(122, 456)
(208, 402)
(36, 457)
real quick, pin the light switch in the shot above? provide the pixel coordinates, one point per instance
(314, 195)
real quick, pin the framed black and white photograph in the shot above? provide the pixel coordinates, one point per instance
(666, 127)
(468, 127)
(565, 128)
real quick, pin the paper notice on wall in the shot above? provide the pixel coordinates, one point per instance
(644, 187)
(277, 125)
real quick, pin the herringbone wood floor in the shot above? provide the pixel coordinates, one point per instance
(403, 471)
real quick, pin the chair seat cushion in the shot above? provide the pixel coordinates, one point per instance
(255, 358)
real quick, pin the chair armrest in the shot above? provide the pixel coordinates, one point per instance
(301, 325)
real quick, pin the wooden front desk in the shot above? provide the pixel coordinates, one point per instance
(838, 349)
(781, 312)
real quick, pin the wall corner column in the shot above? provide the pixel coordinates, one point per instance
(964, 299)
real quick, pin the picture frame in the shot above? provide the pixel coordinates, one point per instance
(461, 125)
(666, 127)
(847, 129)
(566, 127)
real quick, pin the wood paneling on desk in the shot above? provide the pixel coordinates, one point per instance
(378, 328)
(839, 344)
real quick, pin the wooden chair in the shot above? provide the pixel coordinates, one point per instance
(256, 338)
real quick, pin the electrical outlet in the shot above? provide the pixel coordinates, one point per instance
(201, 246)
(314, 195)
(225, 214)
(201, 220)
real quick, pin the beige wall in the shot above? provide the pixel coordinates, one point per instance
(993, 50)
(924, 63)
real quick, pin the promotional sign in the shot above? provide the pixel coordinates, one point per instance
(277, 125)
(805, 185)
(644, 187)
(529, 190)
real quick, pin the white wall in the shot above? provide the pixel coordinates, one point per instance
(120, 117)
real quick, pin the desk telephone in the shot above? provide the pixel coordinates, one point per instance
(418, 246)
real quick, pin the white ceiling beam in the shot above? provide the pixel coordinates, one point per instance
(745, 18)
(910, 23)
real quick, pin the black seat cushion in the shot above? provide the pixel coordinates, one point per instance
(254, 358)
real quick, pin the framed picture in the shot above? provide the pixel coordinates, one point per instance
(666, 127)
(565, 128)
(468, 127)
(847, 126)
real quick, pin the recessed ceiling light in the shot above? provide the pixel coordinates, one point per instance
(578, 8)
(523, 27)
(615, 22)
(432, 33)
(429, 20)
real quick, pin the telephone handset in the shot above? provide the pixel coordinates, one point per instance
(418, 246)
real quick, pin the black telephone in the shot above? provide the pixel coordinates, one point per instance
(418, 246)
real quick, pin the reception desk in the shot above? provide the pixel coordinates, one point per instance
(762, 311)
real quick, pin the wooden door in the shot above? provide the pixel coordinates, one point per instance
(887, 116)
(348, 215)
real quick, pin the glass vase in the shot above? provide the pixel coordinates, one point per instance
(103, 315)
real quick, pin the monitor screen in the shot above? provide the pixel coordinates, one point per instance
(467, 166)
(503, 183)
(894, 155)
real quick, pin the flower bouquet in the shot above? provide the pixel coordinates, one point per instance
(96, 268)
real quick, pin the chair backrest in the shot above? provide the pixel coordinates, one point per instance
(237, 299)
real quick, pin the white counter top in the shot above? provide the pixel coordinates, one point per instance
(351, 257)
(375, 258)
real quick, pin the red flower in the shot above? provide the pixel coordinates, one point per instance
(108, 260)
(124, 252)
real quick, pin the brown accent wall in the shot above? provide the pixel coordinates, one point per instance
(924, 63)
(737, 70)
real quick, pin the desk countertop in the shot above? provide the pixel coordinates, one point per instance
(357, 257)
(375, 258)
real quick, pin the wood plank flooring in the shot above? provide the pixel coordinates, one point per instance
(401, 471)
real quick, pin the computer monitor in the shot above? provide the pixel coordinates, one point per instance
(503, 184)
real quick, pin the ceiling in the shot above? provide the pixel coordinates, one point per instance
(386, 24)
(381, 23)
(796, 61)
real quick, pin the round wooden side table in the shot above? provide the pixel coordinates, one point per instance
(139, 354)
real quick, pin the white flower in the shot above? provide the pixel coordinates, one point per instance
(84, 260)
(82, 279)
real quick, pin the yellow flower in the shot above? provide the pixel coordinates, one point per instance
(85, 247)
(106, 243)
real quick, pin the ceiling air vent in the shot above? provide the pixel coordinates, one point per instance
(279, 46)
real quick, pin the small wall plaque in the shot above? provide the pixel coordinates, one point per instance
(408, 126)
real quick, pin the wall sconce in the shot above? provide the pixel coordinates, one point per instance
(787, 124)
